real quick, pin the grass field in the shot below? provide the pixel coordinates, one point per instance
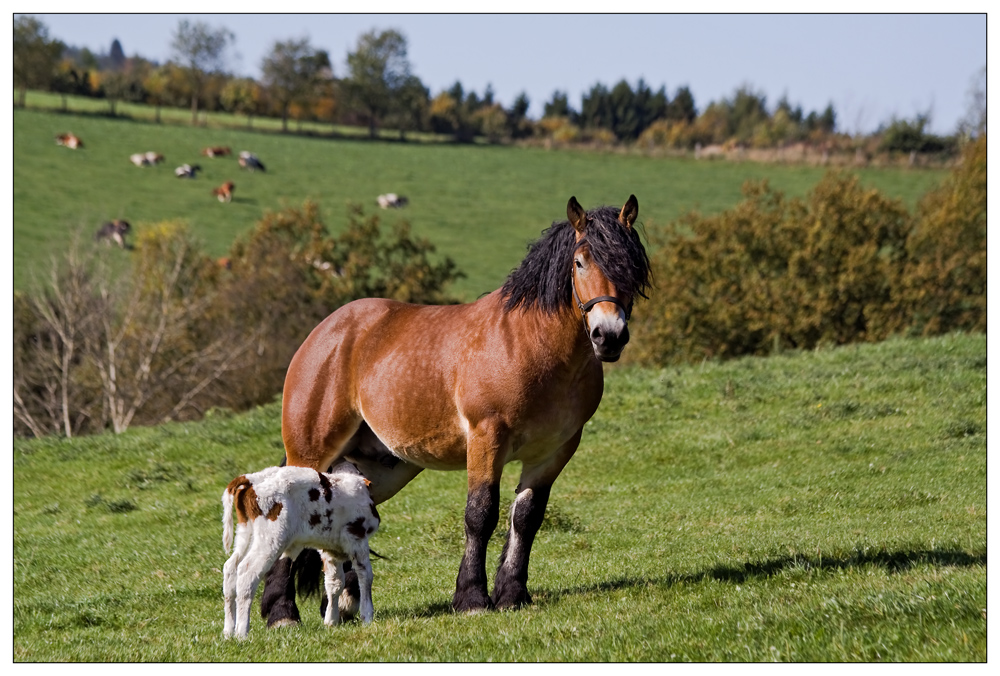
(821, 506)
(478, 204)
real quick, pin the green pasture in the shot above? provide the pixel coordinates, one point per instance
(820, 506)
(479, 204)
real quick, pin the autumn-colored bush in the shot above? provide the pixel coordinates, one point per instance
(775, 273)
(942, 287)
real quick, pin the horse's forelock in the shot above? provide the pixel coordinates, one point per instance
(544, 276)
(618, 252)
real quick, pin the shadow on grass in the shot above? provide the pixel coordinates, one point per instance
(893, 562)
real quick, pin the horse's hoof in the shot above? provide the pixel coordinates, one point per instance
(283, 622)
(472, 603)
(511, 598)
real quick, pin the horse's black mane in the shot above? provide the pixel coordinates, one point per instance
(544, 277)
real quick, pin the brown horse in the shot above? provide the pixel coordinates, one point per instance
(398, 388)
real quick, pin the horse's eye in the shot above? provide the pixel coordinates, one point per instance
(579, 264)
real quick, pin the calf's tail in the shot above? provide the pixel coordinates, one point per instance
(227, 520)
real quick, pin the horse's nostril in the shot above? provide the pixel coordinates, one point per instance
(597, 336)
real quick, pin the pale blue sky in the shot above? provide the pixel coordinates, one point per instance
(870, 67)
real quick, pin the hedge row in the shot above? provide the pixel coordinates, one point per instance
(845, 264)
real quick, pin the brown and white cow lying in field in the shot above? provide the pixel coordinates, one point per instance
(70, 140)
(216, 151)
(225, 191)
(282, 510)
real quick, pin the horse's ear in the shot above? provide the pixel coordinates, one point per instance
(577, 216)
(629, 212)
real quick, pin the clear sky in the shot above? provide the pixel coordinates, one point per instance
(870, 66)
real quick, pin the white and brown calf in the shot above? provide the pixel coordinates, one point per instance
(282, 510)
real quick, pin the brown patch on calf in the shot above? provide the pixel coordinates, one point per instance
(244, 499)
(327, 487)
(314, 519)
(235, 483)
(313, 494)
(247, 506)
(272, 514)
(357, 528)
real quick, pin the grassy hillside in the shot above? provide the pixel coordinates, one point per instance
(822, 506)
(478, 204)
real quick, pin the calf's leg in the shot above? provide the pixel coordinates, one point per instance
(361, 562)
(249, 573)
(334, 582)
(229, 579)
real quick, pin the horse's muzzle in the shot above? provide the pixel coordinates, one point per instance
(608, 344)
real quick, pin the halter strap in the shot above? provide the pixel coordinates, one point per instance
(589, 305)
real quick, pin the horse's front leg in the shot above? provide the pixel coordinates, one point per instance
(486, 453)
(510, 588)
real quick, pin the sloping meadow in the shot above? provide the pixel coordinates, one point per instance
(812, 506)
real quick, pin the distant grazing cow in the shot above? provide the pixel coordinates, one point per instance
(250, 161)
(216, 151)
(70, 140)
(392, 201)
(225, 191)
(282, 510)
(114, 231)
(225, 263)
(187, 170)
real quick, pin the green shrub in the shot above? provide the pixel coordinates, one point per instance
(179, 334)
(288, 274)
(774, 273)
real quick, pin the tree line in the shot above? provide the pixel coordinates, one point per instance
(379, 90)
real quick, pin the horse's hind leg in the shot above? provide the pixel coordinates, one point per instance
(311, 440)
(510, 587)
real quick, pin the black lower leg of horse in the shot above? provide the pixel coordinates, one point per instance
(482, 511)
(510, 588)
(277, 603)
